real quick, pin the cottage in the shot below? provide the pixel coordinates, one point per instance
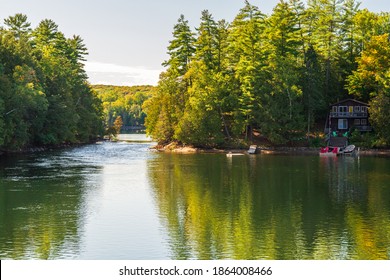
(347, 115)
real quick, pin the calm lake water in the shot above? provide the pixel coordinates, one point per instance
(122, 201)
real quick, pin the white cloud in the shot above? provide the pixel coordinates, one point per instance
(112, 74)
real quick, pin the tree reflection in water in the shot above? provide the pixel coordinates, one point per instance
(41, 208)
(273, 207)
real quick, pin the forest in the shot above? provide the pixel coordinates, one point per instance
(274, 74)
(45, 98)
(123, 102)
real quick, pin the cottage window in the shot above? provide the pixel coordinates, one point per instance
(343, 124)
(334, 109)
(364, 109)
(356, 122)
(363, 122)
(350, 109)
(343, 109)
(357, 109)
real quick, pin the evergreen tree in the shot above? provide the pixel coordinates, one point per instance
(298, 9)
(181, 49)
(283, 100)
(349, 35)
(167, 106)
(248, 57)
(206, 40)
(312, 81)
(18, 26)
(283, 31)
(44, 94)
(325, 19)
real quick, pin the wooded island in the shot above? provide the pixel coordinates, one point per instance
(275, 74)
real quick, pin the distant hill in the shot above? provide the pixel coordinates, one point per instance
(124, 101)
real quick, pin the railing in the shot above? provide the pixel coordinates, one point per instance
(348, 115)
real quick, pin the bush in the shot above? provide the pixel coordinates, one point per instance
(364, 140)
(316, 142)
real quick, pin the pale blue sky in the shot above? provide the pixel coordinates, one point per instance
(127, 39)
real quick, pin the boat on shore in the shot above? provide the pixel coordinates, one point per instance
(329, 151)
(253, 149)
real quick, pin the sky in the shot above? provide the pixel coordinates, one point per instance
(127, 39)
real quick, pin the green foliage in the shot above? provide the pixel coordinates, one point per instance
(316, 142)
(181, 48)
(371, 82)
(44, 95)
(380, 116)
(365, 140)
(312, 89)
(164, 107)
(125, 102)
(372, 74)
(283, 119)
(276, 74)
(201, 124)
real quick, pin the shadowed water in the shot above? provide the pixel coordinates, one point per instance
(122, 201)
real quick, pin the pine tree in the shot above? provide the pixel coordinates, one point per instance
(282, 116)
(323, 27)
(18, 25)
(181, 49)
(246, 53)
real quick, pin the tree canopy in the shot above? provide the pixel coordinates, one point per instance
(45, 98)
(275, 73)
(125, 102)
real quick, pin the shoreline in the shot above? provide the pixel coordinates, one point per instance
(174, 148)
(41, 149)
(177, 149)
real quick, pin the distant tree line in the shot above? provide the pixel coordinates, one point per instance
(123, 103)
(276, 74)
(44, 95)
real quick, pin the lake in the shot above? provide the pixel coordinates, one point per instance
(123, 201)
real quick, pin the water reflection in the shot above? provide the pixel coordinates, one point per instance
(121, 201)
(273, 207)
(92, 202)
(41, 207)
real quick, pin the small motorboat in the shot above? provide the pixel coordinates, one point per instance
(349, 150)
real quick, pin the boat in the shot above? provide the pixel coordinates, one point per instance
(348, 151)
(329, 151)
(252, 149)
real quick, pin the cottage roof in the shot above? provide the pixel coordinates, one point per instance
(349, 99)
